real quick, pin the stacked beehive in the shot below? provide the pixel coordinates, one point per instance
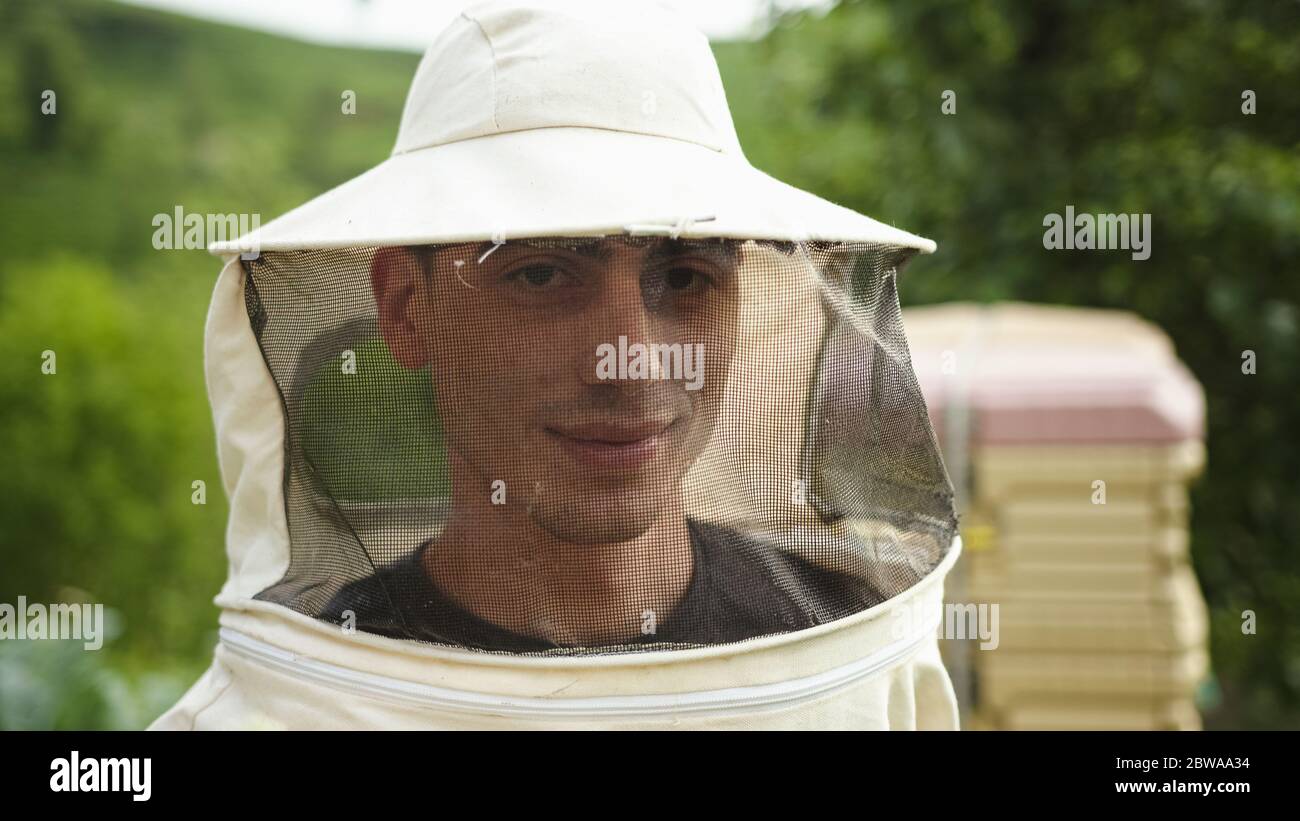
(1071, 435)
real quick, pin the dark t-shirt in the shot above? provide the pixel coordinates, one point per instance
(740, 588)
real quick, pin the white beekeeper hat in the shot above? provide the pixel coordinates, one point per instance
(565, 119)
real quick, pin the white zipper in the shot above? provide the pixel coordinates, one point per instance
(726, 700)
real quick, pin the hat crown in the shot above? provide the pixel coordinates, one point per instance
(507, 66)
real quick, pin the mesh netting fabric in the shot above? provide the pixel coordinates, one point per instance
(597, 445)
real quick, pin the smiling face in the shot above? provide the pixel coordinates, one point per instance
(585, 374)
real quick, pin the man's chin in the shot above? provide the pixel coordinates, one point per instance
(600, 519)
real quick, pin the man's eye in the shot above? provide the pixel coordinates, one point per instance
(684, 278)
(538, 276)
(679, 279)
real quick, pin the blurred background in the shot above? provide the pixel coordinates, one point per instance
(1109, 107)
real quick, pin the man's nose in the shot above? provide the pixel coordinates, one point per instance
(619, 319)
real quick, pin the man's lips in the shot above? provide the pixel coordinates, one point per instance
(605, 446)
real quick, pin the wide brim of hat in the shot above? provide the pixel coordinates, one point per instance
(562, 182)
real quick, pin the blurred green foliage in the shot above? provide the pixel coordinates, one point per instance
(153, 111)
(1108, 107)
(58, 685)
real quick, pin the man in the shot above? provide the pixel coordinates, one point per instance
(580, 498)
(566, 524)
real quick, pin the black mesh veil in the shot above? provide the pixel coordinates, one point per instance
(597, 444)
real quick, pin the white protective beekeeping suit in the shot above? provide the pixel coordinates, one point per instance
(565, 416)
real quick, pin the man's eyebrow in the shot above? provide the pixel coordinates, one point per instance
(599, 248)
(594, 248)
(721, 252)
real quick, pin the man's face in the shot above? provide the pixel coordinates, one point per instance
(547, 362)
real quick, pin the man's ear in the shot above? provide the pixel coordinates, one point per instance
(397, 279)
